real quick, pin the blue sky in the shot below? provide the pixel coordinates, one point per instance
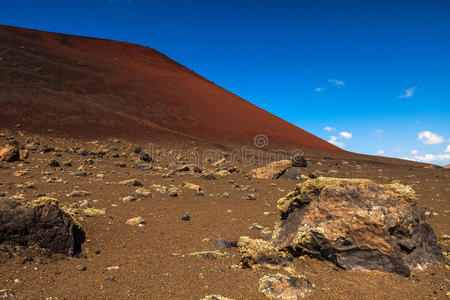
(370, 76)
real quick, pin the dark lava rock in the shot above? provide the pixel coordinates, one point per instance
(299, 161)
(197, 169)
(53, 163)
(224, 244)
(208, 176)
(40, 223)
(356, 223)
(145, 157)
(67, 164)
(137, 150)
(185, 218)
(291, 173)
(312, 176)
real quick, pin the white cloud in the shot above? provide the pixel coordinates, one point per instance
(320, 89)
(329, 129)
(429, 138)
(346, 135)
(334, 140)
(432, 157)
(447, 149)
(408, 93)
(336, 82)
(414, 152)
(378, 131)
(380, 152)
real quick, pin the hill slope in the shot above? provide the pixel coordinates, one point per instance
(88, 87)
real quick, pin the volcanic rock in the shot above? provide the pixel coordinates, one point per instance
(131, 182)
(271, 171)
(279, 286)
(299, 161)
(355, 224)
(40, 223)
(135, 221)
(23, 154)
(53, 163)
(9, 153)
(145, 157)
(257, 252)
(291, 173)
(224, 244)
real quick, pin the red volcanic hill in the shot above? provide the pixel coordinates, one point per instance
(89, 87)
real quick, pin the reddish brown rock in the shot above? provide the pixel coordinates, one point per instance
(356, 223)
(271, 171)
(40, 223)
(23, 154)
(9, 153)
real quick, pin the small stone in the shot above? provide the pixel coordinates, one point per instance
(81, 268)
(145, 157)
(129, 199)
(131, 182)
(185, 218)
(77, 193)
(279, 286)
(53, 163)
(141, 192)
(208, 176)
(251, 197)
(109, 278)
(298, 161)
(121, 165)
(137, 150)
(135, 221)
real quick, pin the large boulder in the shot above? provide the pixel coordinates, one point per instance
(40, 223)
(355, 224)
(271, 171)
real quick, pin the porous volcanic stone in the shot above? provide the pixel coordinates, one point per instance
(356, 223)
(40, 223)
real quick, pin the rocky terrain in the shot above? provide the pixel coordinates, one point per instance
(159, 224)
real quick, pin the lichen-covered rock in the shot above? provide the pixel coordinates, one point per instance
(258, 252)
(141, 192)
(356, 223)
(271, 171)
(40, 223)
(279, 286)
